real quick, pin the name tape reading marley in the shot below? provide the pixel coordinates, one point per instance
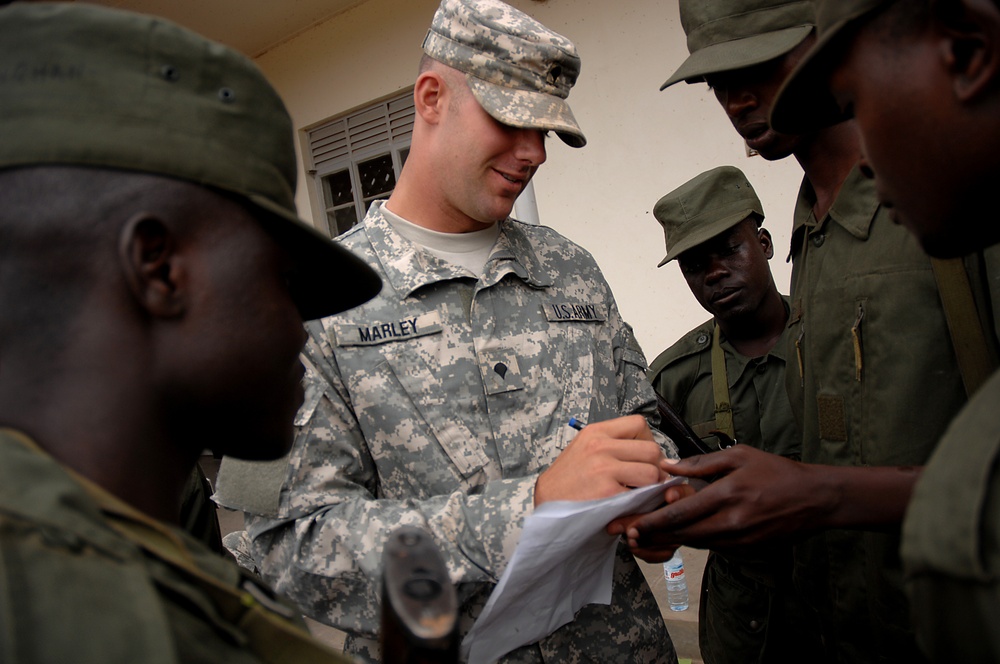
(372, 333)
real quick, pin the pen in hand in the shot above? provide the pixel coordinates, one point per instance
(576, 424)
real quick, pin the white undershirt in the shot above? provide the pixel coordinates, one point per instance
(468, 250)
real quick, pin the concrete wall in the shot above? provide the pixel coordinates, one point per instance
(642, 142)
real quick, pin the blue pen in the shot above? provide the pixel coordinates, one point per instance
(576, 424)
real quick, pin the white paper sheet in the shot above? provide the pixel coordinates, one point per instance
(563, 561)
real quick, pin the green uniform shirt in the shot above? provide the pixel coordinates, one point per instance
(84, 578)
(951, 538)
(876, 384)
(748, 610)
(762, 417)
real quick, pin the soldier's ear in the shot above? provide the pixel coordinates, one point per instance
(969, 38)
(766, 243)
(429, 96)
(156, 273)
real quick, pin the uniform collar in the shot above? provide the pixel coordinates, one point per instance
(75, 510)
(120, 515)
(407, 267)
(740, 362)
(854, 209)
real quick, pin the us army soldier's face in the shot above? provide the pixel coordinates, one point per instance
(489, 163)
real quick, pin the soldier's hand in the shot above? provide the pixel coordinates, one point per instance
(757, 497)
(665, 551)
(604, 459)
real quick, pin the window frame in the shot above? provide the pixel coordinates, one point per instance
(336, 145)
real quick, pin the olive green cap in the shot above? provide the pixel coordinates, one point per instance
(804, 103)
(723, 35)
(90, 86)
(705, 206)
(519, 71)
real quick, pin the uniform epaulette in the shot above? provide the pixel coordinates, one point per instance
(696, 341)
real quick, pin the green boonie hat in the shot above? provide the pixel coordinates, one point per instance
(723, 35)
(519, 71)
(90, 86)
(703, 207)
(804, 103)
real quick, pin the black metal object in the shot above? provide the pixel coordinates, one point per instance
(687, 441)
(419, 604)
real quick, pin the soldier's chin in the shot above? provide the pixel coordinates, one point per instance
(953, 241)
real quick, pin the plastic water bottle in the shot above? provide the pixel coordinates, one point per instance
(677, 589)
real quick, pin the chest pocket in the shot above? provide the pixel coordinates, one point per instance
(409, 401)
(501, 371)
(577, 326)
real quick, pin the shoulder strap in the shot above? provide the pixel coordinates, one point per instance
(267, 625)
(975, 361)
(720, 385)
(271, 635)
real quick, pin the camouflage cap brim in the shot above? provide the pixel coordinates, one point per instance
(520, 71)
(738, 54)
(804, 103)
(528, 109)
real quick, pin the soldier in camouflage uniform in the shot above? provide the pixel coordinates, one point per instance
(869, 336)
(936, 167)
(444, 402)
(728, 375)
(152, 308)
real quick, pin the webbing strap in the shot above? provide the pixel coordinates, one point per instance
(975, 362)
(720, 386)
(271, 637)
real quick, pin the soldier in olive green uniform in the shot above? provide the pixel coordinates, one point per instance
(154, 278)
(935, 168)
(869, 337)
(728, 375)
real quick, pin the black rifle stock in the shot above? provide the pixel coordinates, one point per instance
(419, 604)
(687, 441)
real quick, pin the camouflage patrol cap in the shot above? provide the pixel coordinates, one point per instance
(705, 206)
(723, 35)
(804, 103)
(519, 71)
(90, 86)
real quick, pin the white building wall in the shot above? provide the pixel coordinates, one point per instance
(641, 142)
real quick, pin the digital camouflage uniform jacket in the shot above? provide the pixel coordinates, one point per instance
(877, 384)
(749, 611)
(84, 578)
(951, 538)
(437, 404)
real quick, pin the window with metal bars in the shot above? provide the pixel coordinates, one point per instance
(357, 158)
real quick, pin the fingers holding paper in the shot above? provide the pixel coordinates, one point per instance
(604, 459)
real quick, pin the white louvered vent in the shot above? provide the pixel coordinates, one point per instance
(357, 158)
